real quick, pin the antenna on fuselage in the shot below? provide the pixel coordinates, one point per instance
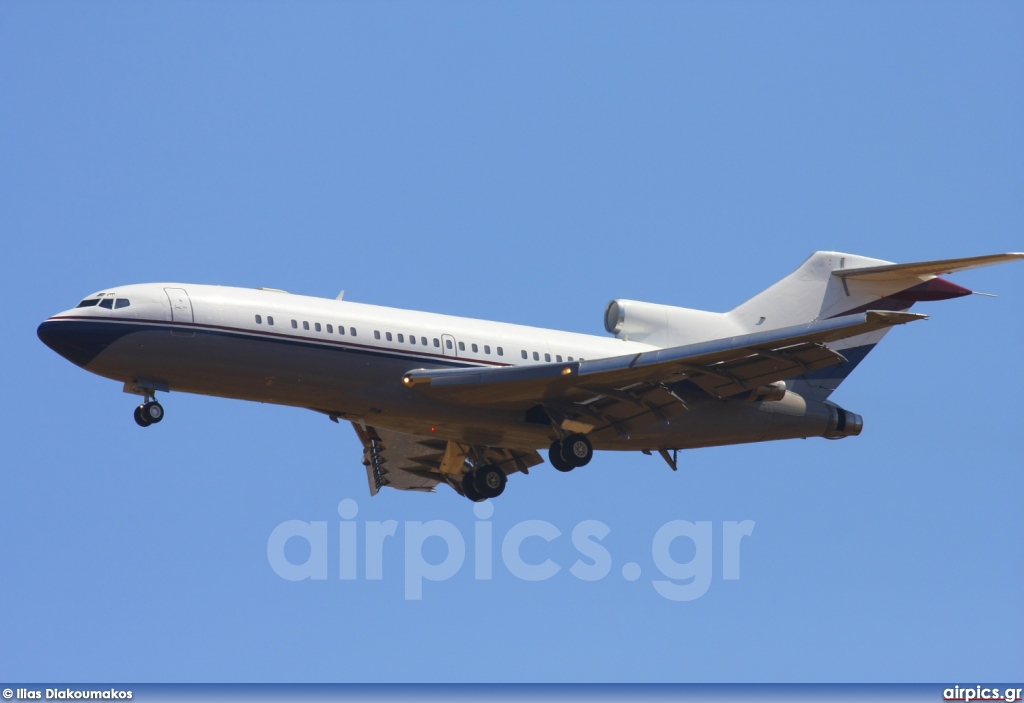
(341, 296)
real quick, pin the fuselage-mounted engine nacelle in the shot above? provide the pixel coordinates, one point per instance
(666, 325)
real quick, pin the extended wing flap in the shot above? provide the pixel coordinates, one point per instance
(414, 463)
(745, 362)
(398, 460)
(763, 367)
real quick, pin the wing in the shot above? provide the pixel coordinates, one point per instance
(613, 390)
(726, 367)
(417, 463)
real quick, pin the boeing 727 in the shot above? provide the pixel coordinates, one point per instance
(438, 399)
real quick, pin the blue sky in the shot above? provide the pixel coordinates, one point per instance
(524, 162)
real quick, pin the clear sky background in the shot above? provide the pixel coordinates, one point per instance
(524, 162)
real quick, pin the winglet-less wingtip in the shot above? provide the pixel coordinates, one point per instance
(894, 318)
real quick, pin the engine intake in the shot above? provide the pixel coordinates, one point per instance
(665, 325)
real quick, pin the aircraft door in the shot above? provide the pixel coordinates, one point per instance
(448, 345)
(181, 305)
(181, 311)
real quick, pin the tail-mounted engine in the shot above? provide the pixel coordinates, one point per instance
(665, 325)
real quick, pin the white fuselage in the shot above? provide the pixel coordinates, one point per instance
(427, 337)
(342, 358)
(347, 360)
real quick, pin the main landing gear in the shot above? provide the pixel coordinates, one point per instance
(486, 482)
(149, 413)
(571, 452)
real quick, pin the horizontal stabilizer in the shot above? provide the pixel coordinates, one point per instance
(894, 272)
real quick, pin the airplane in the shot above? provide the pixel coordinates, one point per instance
(436, 399)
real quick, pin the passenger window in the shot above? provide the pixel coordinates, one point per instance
(107, 303)
(259, 320)
(376, 334)
(462, 346)
(501, 352)
(525, 356)
(352, 331)
(412, 339)
(570, 358)
(88, 303)
(547, 357)
(558, 358)
(305, 325)
(270, 320)
(341, 329)
(388, 335)
(401, 338)
(330, 328)
(487, 349)
(317, 325)
(295, 325)
(423, 341)
(437, 342)
(121, 303)
(448, 343)
(536, 356)
(474, 349)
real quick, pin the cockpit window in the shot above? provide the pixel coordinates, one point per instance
(121, 303)
(88, 303)
(107, 303)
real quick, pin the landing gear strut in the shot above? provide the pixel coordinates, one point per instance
(149, 413)
(571, 452)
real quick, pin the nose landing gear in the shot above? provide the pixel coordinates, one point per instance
(149, 413)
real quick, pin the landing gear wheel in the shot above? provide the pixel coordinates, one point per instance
(140, 418)
(153, 411)
(469, 488)
(490, 481)
(555, 457)
(577, 450)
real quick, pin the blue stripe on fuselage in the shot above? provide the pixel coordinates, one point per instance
(81, 341)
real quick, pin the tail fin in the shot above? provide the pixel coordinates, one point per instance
(832, 284)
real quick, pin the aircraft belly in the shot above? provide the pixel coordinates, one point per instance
(355, 385)
(363, 385)
(256, 369)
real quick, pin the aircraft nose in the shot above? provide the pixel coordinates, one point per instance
(72, 340)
